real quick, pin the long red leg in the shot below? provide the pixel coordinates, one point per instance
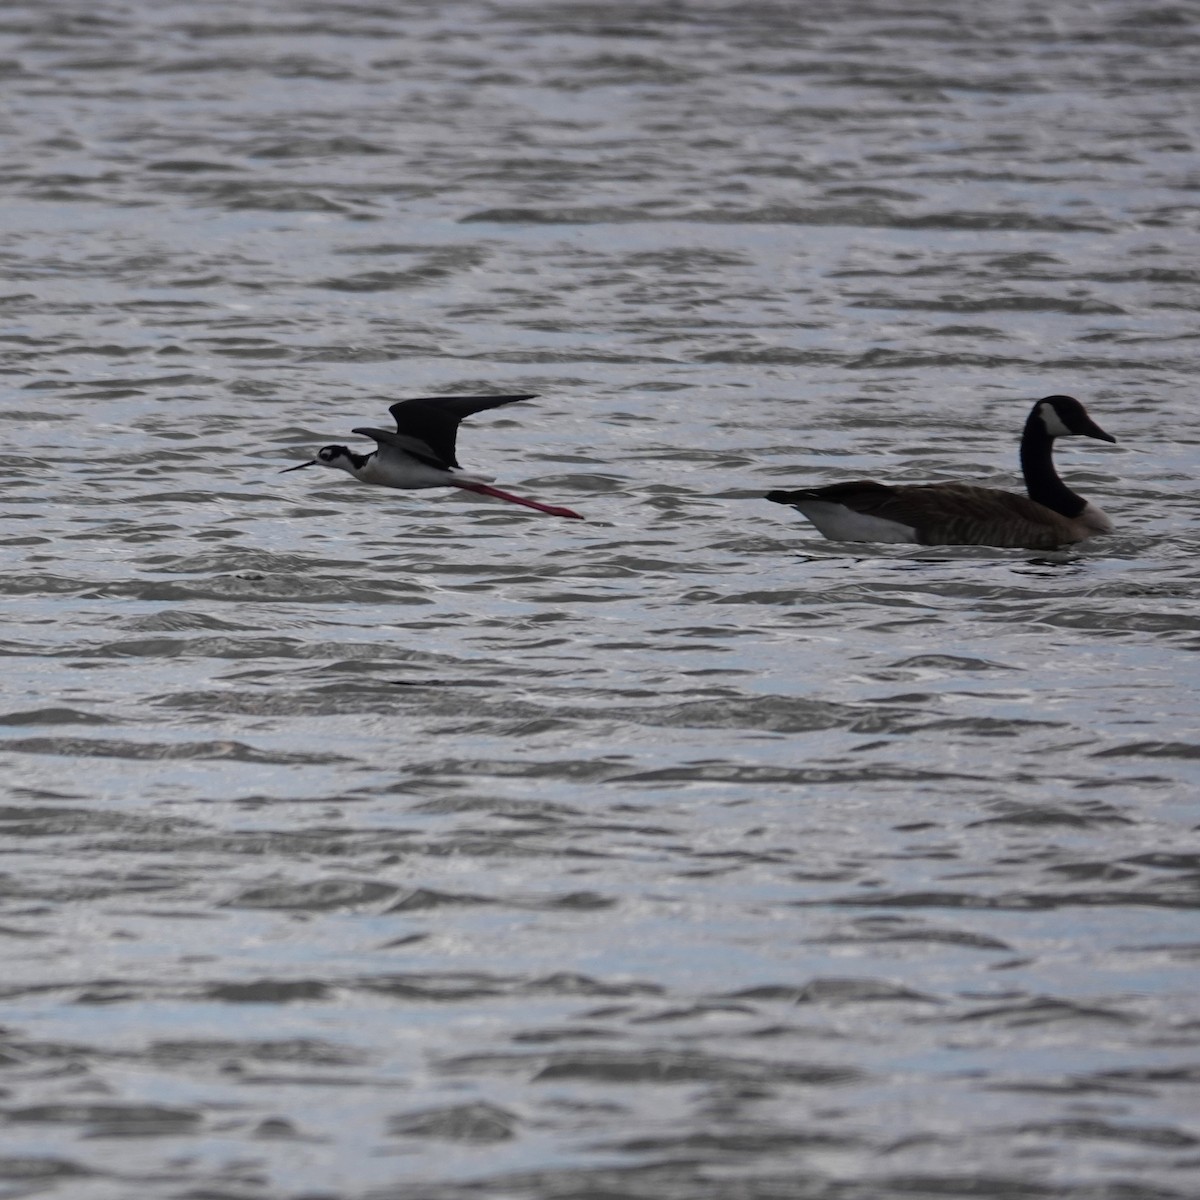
(485, 490)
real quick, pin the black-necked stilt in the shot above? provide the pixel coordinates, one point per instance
(961, 514)
(420, 454)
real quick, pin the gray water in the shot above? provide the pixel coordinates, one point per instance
(362, 844)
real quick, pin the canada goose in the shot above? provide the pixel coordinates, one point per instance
(963, 514)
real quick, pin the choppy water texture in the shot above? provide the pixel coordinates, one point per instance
(367, 845)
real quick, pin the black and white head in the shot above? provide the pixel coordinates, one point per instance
(1063, 416)
(341, 458)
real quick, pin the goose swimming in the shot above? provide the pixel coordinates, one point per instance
(963, 514)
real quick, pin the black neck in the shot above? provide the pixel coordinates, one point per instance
(360, 460)
(1041, 479)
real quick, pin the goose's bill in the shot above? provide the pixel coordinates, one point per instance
(1092, 430)
(312, 462)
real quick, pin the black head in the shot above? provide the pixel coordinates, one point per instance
(1062, 416)
(341, 458)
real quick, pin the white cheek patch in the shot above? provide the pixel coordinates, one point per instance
(1052, 421)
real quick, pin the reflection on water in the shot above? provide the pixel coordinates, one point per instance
(417, 846)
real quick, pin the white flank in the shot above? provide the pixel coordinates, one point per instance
(842, 524)
(1096, 519)
(408, 474)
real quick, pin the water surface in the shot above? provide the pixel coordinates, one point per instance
(419, 847)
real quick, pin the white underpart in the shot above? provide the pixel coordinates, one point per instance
(1095, 518)
(842, 524)
(1052, 421)
(399, 471)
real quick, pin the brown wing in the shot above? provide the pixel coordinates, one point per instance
(961, 514)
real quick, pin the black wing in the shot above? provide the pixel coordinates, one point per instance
(414, 447)
(433, 420)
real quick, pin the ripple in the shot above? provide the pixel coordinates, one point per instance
(53, 716)
(104, 748)
(481, 1124)
(404, 847)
